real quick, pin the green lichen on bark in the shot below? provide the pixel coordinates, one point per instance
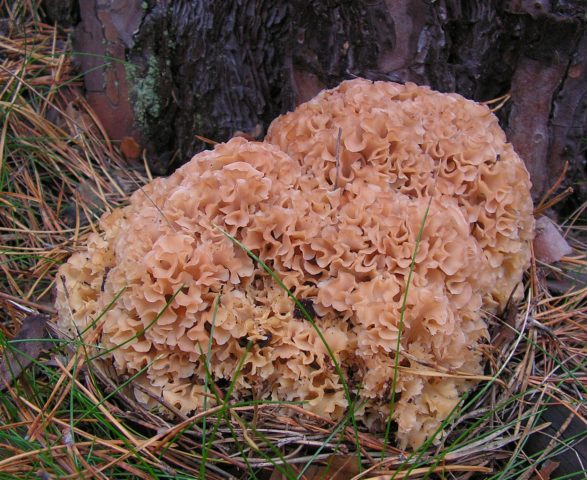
(144, 85)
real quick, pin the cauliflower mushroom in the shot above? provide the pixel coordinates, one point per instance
(420, 143)
(341, 235)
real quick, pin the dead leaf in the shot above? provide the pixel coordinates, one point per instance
(549, 245)
(43, 475)
(26, 346)
(130, 148)
(507, 331)
(78, 120)
(338, 467)
(86, 197)
(546, 471)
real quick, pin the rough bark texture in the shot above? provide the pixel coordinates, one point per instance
(215, 69)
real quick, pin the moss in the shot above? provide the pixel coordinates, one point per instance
(144, 91)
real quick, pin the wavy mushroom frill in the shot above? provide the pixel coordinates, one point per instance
(152, 276)
(341, 238)
(420, 143)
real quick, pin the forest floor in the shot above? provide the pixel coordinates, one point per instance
(63, 415)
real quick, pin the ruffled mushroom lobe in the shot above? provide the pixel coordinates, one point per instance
(417, 171)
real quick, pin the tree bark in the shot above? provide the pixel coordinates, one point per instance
(216, 69)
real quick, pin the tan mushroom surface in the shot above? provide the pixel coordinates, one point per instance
(341, 236)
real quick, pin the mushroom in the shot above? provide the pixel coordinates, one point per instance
(420, 143)
(417, 171)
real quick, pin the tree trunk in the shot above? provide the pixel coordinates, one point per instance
(216, 69)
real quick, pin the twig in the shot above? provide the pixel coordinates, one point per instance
(17, 301)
